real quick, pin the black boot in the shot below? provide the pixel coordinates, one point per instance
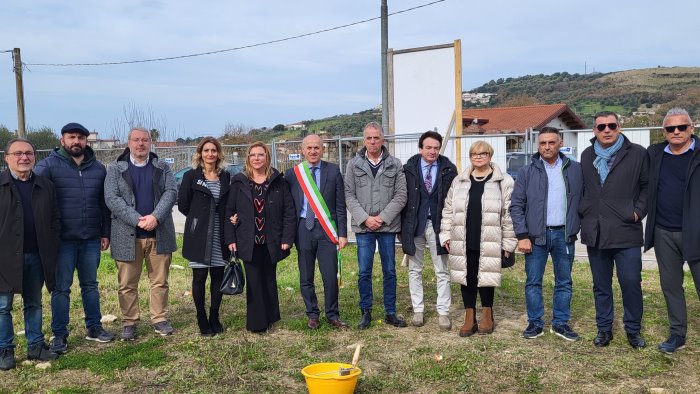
(204, 326)
(214, 322)
(366, 319)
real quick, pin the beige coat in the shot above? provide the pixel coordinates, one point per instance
(496, 227)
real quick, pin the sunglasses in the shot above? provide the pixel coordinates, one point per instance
(602, 126)
(681, 127)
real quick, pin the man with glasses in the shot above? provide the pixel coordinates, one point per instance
(672, 225)
(615, 176)
(544, 209)
(375, 193)
(140, 190)
(29, 235)
(79, 181)
(428, 178)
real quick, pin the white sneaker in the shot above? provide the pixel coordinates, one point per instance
(444, 322)
(417, 320)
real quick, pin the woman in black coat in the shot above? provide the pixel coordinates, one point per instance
(263, 233)
(202, 198)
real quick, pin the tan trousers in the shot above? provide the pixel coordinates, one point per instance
(129, 274)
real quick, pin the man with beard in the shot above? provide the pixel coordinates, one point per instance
(85, 226)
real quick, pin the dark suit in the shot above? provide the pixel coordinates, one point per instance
(312, 244)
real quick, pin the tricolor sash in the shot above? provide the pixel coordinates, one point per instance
(318, 205)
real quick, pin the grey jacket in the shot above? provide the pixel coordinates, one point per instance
(528, 205)
(383, 195)
(119, 197)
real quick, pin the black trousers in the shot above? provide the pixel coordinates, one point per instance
(669, 256)
(311, 245)
(263, 306)
(471, 289)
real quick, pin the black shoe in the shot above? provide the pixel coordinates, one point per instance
(59, 344)
(205, 328)
(636, 341)
(366, 319)
(603, 338)
(394, 320)
(214, 322)
(41, 352)
(7, 359)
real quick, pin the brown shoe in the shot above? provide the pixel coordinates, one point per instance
(313, 323)
(470, 326)
(337, 323)
(487, 324)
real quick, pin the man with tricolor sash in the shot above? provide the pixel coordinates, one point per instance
(318, 191)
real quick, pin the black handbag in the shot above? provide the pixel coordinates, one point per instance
(234, 281)
(507, 262)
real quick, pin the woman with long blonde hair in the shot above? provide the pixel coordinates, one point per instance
(263, 232)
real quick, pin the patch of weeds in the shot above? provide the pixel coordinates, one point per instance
(145, 354)
(72, 390)
(532, 381)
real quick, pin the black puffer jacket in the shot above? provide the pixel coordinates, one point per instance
(80, 193)
(280, 217)
(197, 203)
(409, 215)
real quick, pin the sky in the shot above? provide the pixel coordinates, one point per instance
(336, 72)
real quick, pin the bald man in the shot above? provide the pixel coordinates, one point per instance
(320, 232)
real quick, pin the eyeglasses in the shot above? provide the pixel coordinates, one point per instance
(602, 126)
(142, 140)
(479, 155)
(680, 127)
(19, 155)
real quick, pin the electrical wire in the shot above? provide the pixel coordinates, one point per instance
(231, 49)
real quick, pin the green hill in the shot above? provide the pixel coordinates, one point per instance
(623, 92)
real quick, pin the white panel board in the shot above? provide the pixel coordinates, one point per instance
(424, 90)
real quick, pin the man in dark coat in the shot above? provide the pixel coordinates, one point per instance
(29, 235)
(672, 225)
(615, 177)
(79, 181)
(429, 176)
(312, 240)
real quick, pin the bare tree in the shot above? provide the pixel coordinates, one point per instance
(235, 134)
(134, 115)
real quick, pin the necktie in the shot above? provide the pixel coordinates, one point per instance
(429, 178)
(310, 216)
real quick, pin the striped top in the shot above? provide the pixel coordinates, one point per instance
(217, 259)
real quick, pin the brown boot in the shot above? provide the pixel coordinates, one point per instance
(486, 325)
(470, 326)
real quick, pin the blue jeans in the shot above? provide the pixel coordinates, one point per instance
(366, 243)
(83, 255)
(562, 258)
(628, 264)
(32, 282)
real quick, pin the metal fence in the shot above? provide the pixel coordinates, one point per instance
(510, 150)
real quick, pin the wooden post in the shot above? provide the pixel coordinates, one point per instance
(21, 132)
(458, 104)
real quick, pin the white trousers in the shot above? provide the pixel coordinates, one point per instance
(442, 273)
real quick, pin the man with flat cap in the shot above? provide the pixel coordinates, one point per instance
(85, 226)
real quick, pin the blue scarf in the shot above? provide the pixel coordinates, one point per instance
(604, 155)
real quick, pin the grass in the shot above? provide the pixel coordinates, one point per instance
(421, 360)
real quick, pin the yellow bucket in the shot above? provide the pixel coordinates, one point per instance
(323, 378)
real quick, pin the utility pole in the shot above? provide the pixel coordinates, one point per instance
(385, 78)
(21, 132)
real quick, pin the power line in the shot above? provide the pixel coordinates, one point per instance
(231, 49)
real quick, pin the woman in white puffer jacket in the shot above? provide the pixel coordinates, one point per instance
(477, 230)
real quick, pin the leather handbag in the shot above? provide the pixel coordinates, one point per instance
(234, 280)
(507, 262)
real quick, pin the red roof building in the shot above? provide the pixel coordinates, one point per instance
(519, 119)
